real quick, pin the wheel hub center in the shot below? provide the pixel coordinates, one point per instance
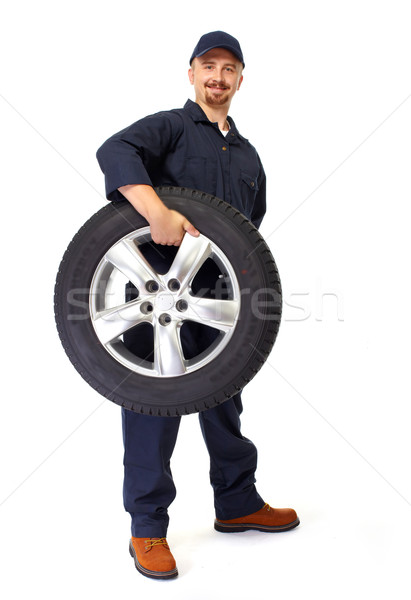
(164, 302)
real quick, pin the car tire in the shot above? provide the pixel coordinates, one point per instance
(168, 331)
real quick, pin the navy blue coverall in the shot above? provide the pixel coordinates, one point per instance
(183, 148)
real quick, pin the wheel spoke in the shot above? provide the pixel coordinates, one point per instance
(109, 324)
(168, 354)
(128, 259)
(221, 314)
(190, 257)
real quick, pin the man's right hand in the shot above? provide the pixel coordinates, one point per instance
(167, 227)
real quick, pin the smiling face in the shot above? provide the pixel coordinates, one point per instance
(216, 76)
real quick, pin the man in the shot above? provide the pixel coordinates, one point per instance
(197, 147)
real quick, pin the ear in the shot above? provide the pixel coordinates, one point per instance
(240, 82)
(191, 75)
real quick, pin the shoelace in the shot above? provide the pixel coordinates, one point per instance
(156, 542)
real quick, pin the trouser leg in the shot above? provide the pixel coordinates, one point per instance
(148, 484)
(233, 461)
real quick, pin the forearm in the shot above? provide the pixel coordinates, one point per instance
(145, 200)
(167, 226)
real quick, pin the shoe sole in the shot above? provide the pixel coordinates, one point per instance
(152, 574)
(238, 527)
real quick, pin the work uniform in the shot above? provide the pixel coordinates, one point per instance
(183, 148)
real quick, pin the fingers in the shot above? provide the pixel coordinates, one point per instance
(170, 231)
(189, 228)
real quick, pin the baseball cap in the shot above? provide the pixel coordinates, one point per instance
(217, 39)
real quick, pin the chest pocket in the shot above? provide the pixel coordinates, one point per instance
(249, 189)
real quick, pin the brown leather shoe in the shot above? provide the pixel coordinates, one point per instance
(266, 519)
(153, 558)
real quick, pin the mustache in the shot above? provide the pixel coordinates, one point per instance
(216, 83)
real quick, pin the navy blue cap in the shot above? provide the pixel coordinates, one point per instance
(217, 39)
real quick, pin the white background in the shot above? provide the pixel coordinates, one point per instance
(326, 101)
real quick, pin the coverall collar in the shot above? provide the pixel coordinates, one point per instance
(198, 115)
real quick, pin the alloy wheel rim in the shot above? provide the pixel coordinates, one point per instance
(164, 301)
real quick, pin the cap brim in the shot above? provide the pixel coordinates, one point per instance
(225, 46)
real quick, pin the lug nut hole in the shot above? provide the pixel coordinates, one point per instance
(146, 308)
(152, 286)
(181, 305)
(164, 319)
(174, 285)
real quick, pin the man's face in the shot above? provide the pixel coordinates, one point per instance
(216, 77)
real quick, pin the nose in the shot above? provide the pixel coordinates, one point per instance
(219, 78)
(218, 74)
